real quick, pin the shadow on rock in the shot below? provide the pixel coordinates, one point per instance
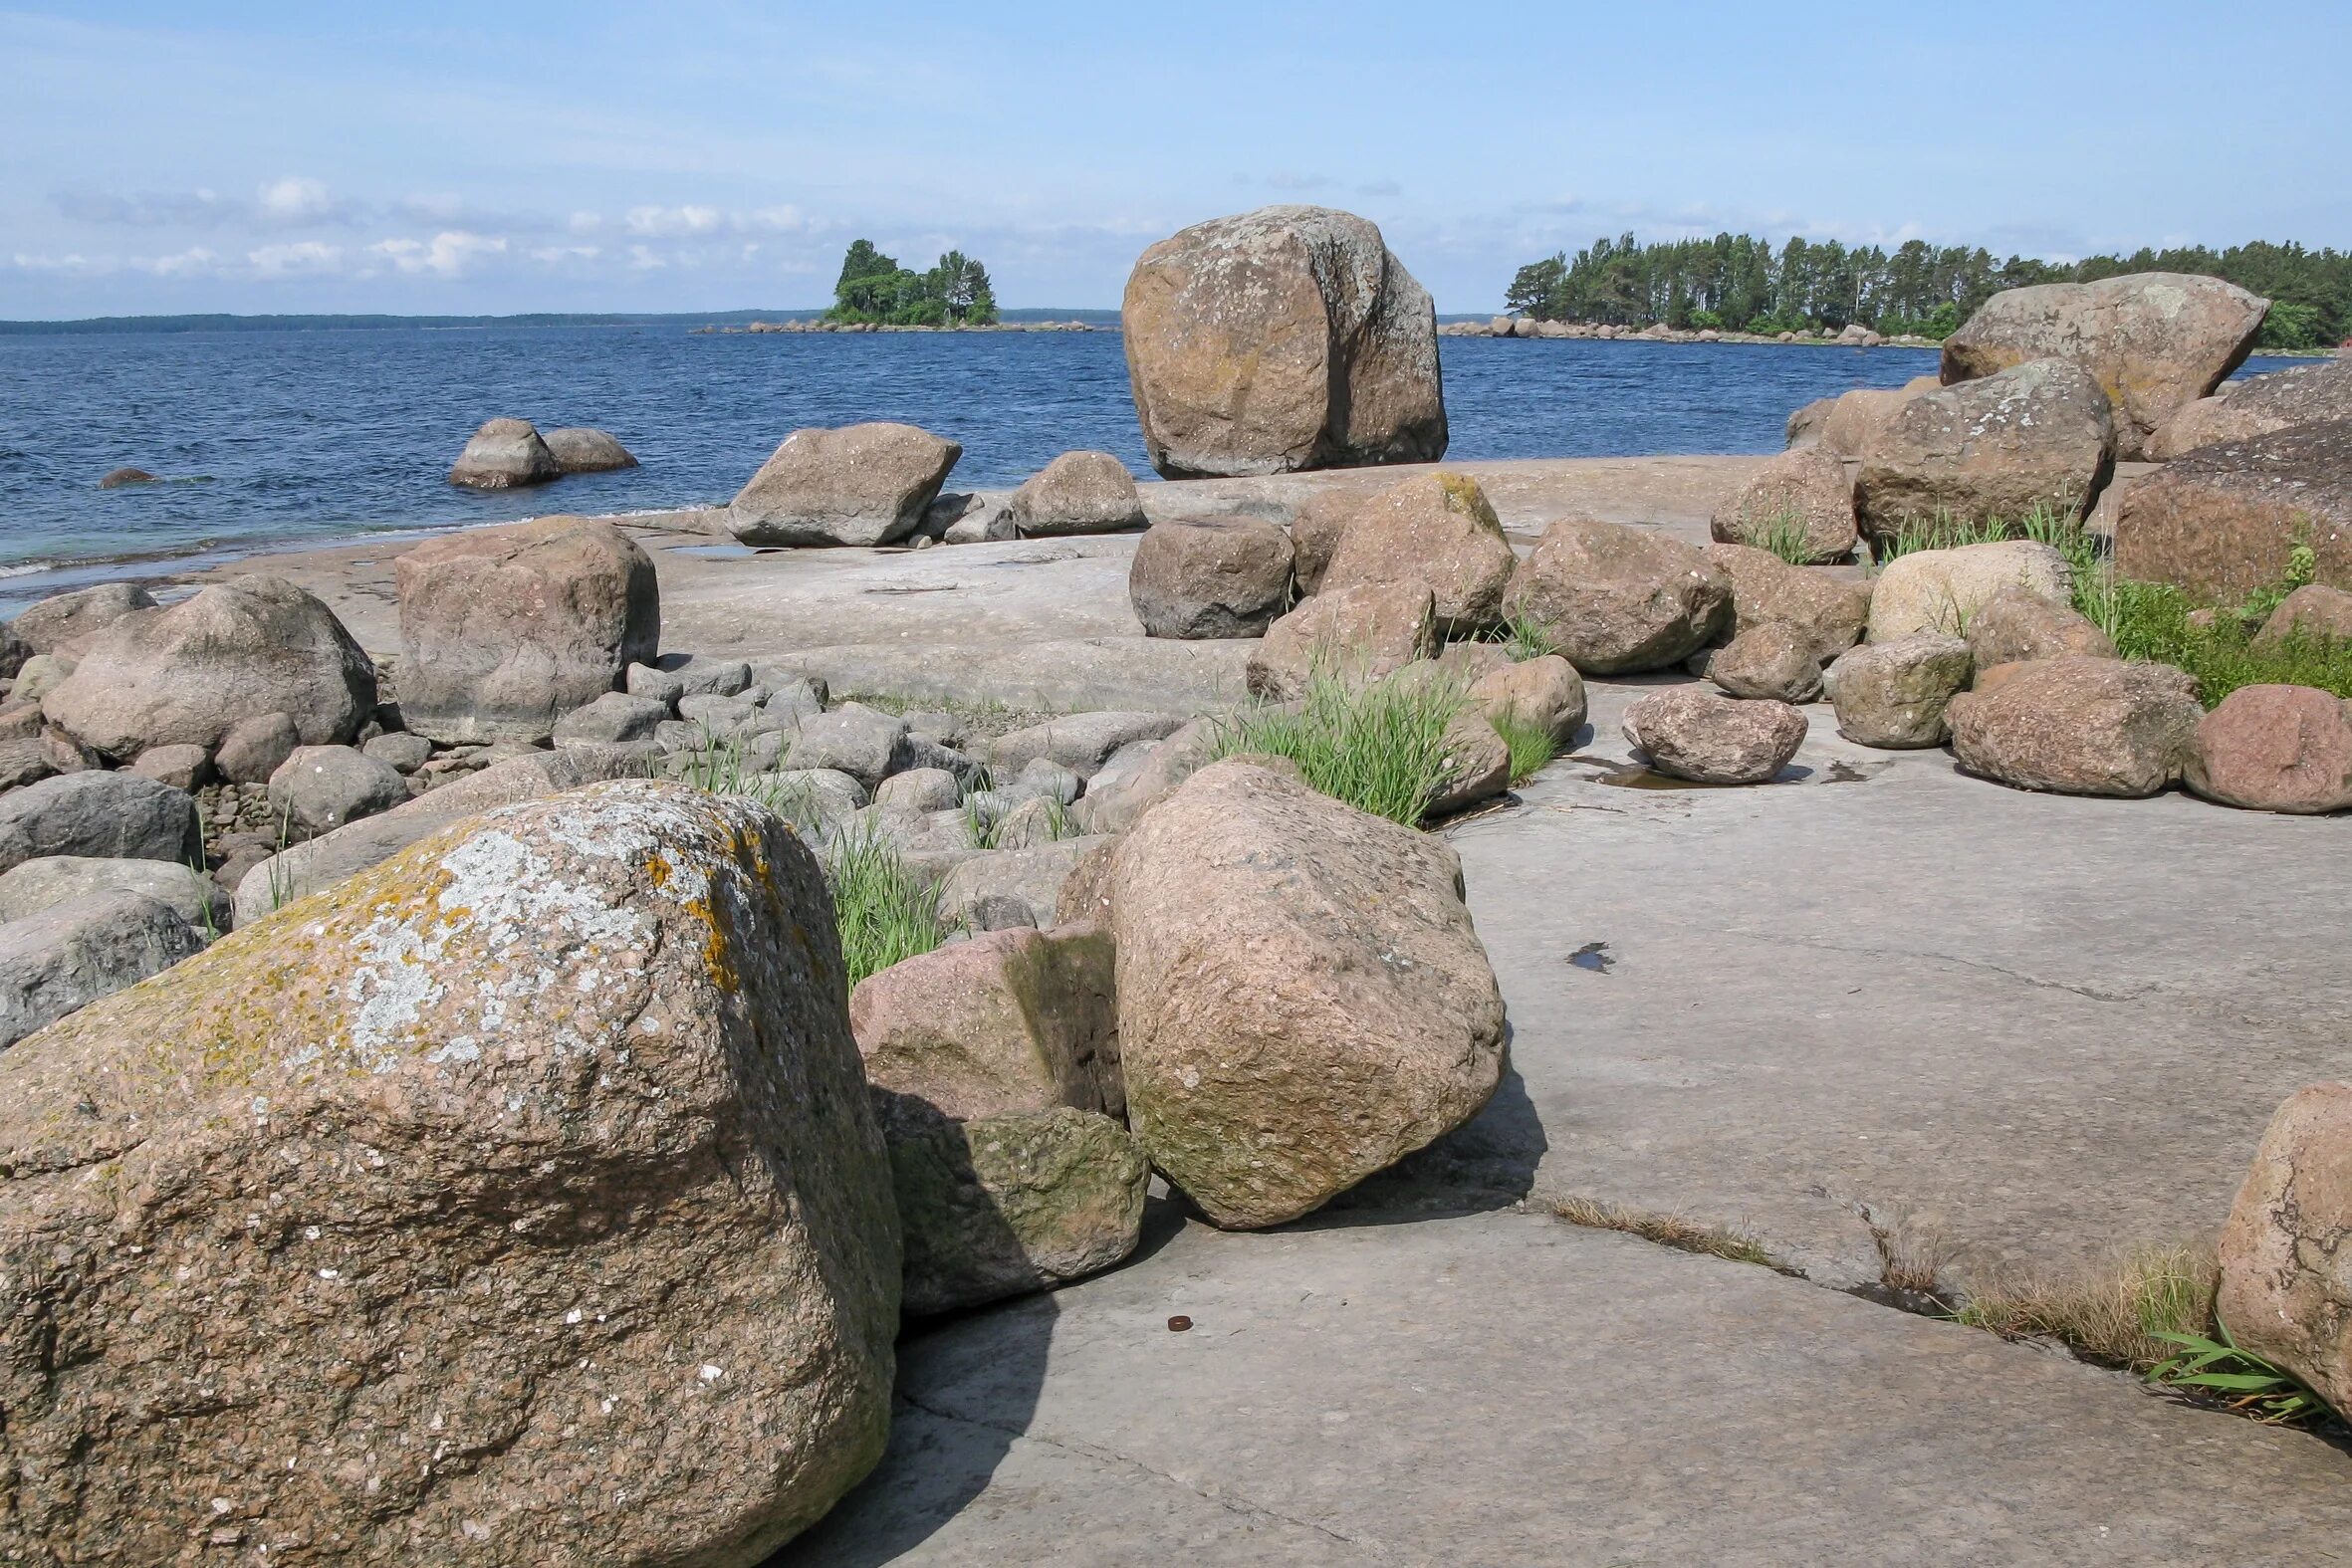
(1488, 1163)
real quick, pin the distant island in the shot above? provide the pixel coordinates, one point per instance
(1740, 282)
(875, 291)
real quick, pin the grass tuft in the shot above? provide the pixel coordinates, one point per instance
(885, 912)
(2240, 1380)
(1522, 637)
(1782, 534)
(1531, 744)
(2116, 1316)
(722, 768)
(1380, 748)
(1682, 1235)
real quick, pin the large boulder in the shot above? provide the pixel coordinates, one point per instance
(1617, 599)
(65, 957)
(68, 623)
(1282, 340)
(504, 631)
(524, 1192)
(504, 455)
(2225, 521)
(2283, 1294)
(1895, 695)
(2263, 748)
(1800, 500)
(864, 483)
(2078, 726)
(2304, 394)
(2155, 341)
(39, 884)
(1301, 997)
(2016, 623)
(2039, 435)
(1852, 424)
(115, 816)
(1829, 610)
(233, 651)
(1944, 589)
(1077, 493)
(1690, 732)
(1210, 578)
(583, 449)
(1437, 530)
(1350, 634)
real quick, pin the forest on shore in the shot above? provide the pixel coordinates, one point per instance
(1740, 282)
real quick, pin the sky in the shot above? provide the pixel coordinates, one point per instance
(707, 155)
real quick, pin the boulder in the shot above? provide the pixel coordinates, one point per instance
(613, 719)
(40, 675)
(1856, 418)
(118, 478)
(1774, 661)
(975, 518)
(2078, 726)
(66, 956)
(185, 890)
(2225, 521)
(235, 651)
(1689, 732)
(2155, 341)
(2283, 1293)
(1210, 578)
(1616, 600)
(504, 631)
(115, 815)
(1315, 535)
(1350, 634)
(253, 749)
(1475, 764)
(864, 483)
(406, 753)
(1012, 1020)
(25, 759)
(582, 449)
(1140, 775)
(865, 745)
(1800, 495)
(1433, 530)
(1543, 691)
(1301, 998)
(503, 455)
(1804, 429)
(1282, 340)
(1944, 589)
(68, 623)
(1010, 1204)
(181, 766)
(2262, 748)
(2017, 623)
(1079, 741)
(666, 1195)
(2240, 410)
(1077, 493)
(2037, 435)
(2313, 611)
(921, 789)
(1893, 695)
(1828, 610)
(1005, 888)
(321, 787)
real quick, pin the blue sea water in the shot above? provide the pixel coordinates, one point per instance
(278, 438)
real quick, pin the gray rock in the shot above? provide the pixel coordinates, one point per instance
(40, 675)
(66, 622)
(504, 454)
(406, 753)
(980, 517)
(115, 815)
(612, 720)
(1081, 742)
(644, 680)
(922, 789)
(1011, 887)
(1773, 661)
(1892, 694)
(1040, 819)
(253, 749)
(69, 955)
(23, 761)
(867, 746)
(699, 675)
(1113, 803)
(866, 484)
(1210, 578)
(1077, 493)
(39, 884)
(321, 787)
(723, 717)
(676, 736)
(1688, 731)
(583, 449)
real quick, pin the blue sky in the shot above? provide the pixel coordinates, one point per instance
(704, 156)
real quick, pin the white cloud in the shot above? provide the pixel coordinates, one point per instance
(446, 255)
(662, 222)
(300, 259)
(294, 199)
(193, 262)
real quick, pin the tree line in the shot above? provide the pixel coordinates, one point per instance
(1738, 283)
(874, 288)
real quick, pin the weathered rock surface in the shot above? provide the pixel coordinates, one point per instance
(112, 815)
(1831, 611)
(1281, 340)
(2314, 611)
(321, 787)
(1773, 662)
(68, 623)
(1301, 997)
(1803, 430)
(1544, 691)
(2156, 342)
(65, 957)
(2224, 520)
(38, 884)
(504, 455)
(253, 749)
(1351, 634)
(1315, 535)
(2263, 748)
(583, 449)
(1077, 493)
(588, 1055)
(1140, 775)
(1856, 418)
(1437, 531)
(613, 719)
(233, 651)
(1007, 888)
(2078, 726)
(2016, 623)
(1210, 578)
(1617, 599)
(2283, 1294)
(504, 633)
(181, 766)
(2039, 435)
(1946, 590)
(866, 745)
(1893, 695)
(1475, 764)
(1801, 490)
(2240, 410)
(1689, 732)
(864, 483)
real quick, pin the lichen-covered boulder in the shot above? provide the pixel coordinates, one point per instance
(504, 454)
(1894, 695)
(2283, 1292)
(521, 1201)
(234, 651)
(865, 484)
(1437, 530)
(2302, 394)
(1616, 600)
(1349, 634)
(1690, 732)
(2156, 342)
(1301, 997)
(1946, 590)
(2266, 749)
(2036, 436)
(2078, 726)
(1077, 493)
(1210, 578)
(1282, 340)
(504, 631)
(1801, 496)
(2225, 521)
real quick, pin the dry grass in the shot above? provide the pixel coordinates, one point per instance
(2109, 1315)
(1673, 1230)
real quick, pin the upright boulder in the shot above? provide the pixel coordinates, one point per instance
(2305, 394)
(505, 454)
(1210, 578)
(2078, 726)
(1437, 530)
(2155, 341)
(1282, 340)
(1302, 1001)
(1617, 599)
(2037, 435)
(1799, 500)
(2224, 520)
(864, 483)
(1077, 493)
(504, 631)
(524, 1190)
(2283, 1292)
(583, 449)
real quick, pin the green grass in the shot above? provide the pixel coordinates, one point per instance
(720, 767)
(1380, 748)
(2240, 1378)
(1531, 744)
(2118, 1316)
(1522, 638)
(1782, 534)
(885, 912)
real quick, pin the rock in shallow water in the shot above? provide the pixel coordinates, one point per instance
(504, 454)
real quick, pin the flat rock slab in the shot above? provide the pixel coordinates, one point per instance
(1508, 1389)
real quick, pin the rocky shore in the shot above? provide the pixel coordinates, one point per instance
(1852, 336)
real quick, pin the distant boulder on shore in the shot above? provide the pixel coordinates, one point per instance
(505, 454)
(583, 449)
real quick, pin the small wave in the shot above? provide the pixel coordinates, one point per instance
(27, 567)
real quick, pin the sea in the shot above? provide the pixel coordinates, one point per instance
(266, 440)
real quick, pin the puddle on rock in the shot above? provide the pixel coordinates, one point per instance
(1593, 955)
(1646, 779)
